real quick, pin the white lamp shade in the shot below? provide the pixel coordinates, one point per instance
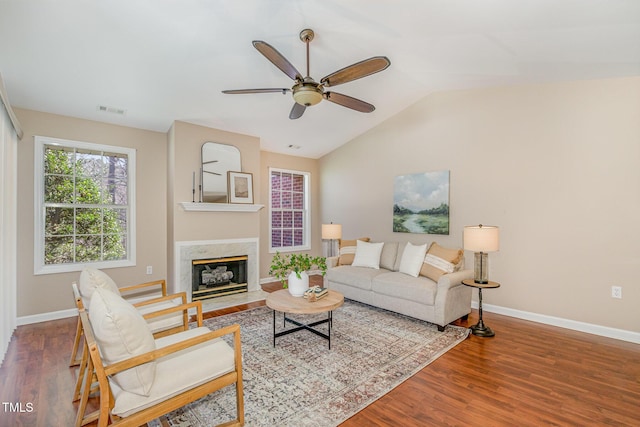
(481, 238)
(331, 231)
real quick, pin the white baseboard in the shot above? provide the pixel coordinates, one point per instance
(63, 314)
(45, 317)
(590, 328)
(619, 334)
(268, 280)
(274, 279)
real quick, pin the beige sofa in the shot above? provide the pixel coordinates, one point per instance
(439, 301)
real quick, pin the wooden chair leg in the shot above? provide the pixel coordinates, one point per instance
(76, 345)
(239, 401)
(90, 378)
(81, 373)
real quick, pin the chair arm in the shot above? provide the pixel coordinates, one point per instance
(174, 348)
(448, 281)
(77, 296)
(181, 295)
(179, 308)
(161, 282)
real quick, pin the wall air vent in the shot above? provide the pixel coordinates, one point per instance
(113, 110)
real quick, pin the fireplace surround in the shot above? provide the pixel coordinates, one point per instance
(188, 252)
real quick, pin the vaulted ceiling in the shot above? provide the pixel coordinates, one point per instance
(165, 60)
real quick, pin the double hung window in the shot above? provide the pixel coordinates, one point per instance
(289, 210)
(84, 205)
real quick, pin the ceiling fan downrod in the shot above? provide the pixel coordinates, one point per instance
(306, 36)
(307, 92)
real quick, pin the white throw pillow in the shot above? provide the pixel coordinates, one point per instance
(368, 254)
(91, 278)
(412, 259)
(121, 333)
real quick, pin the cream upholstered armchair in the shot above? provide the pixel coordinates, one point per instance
(136, 373)
(160, 325)
(91, 278)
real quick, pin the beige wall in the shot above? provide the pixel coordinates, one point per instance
(165, 163)
(273, 160)
(556, 167)
(185, 143)
(52, 292)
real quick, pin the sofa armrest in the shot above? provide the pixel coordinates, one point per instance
(332, 261)
(448, 281)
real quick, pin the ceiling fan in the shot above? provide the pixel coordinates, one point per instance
(306, 91)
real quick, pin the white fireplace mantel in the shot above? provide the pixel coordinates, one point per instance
(219, 207)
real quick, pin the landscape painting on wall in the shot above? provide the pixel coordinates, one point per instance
(421, 203)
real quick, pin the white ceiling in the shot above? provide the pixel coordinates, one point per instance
(166, 60)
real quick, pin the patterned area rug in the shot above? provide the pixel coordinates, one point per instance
(301, 382)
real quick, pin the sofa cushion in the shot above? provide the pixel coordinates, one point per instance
(401, 247)
(347, 250)
(367, 254)
(121, 333)
(388, 256)
(440, 260)
(358, 277)
(412, 259)
(400, 285)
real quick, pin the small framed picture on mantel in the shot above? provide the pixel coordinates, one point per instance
(240, 186)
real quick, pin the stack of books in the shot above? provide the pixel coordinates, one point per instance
(315, 293)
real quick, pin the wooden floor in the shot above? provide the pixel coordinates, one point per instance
(528, 374)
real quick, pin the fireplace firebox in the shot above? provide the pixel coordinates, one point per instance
(216, 277)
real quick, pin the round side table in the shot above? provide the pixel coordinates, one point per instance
(480, 329)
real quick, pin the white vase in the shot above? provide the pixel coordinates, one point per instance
(296, 286)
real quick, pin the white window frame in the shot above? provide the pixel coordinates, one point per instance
(39, 266)
(306, 216)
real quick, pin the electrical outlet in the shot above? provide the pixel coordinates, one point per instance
(616, 292)
(149, 269)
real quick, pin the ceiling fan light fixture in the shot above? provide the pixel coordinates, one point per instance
(307, 95)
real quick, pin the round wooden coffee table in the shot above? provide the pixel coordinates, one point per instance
(283, 301)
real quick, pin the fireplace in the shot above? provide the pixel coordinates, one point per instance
(216, 277)
(188, 252)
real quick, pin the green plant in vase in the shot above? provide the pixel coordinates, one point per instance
(283, 265)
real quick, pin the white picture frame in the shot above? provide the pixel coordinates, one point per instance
(240, 187)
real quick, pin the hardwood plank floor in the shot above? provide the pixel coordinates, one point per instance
(528, 374)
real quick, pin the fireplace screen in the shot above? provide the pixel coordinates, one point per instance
(217, 277)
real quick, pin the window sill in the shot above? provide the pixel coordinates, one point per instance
(219, 207)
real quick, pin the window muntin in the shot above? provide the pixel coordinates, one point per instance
(84, 206)
(289, 210)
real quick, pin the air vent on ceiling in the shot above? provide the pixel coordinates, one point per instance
(113, 110)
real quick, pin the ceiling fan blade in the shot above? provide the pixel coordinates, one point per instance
(277, 59)
(356, 71)
(271, 90)
(349, 102)
(297, 111)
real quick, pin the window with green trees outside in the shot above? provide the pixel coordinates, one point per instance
(84, 209)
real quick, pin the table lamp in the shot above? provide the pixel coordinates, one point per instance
(481, 239)
(331, 232)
